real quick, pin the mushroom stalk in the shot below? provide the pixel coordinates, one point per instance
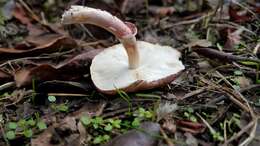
(125, 32)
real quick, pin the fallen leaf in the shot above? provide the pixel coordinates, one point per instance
(52, 45)
(72, 69)
(190, 140)
(239, 16)
(146, 136)
(20, 14)
(233, 38)
(243, 82)
(169, 125)
(44, 138)
(57, 86)
(67, 126)
(191, 127)
(40, 73)
(4, 76)
(161, 11)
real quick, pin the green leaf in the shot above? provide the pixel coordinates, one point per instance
(85, 120)
(190, 110)
(41, 125)
(106, 137)
(193, 118)
(249, 63)
(28, 133)
(63, 108)
(148, 95)
(98, 140)
(238, 72)
(136, 122)
(31, 122)
(12, 125)
(186, 114)
(51, 98)
(108, 127)
(116, 123)
(21, 123)
(148, 115)
(10, 135)
(97, 121)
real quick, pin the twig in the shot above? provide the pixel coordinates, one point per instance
(186, 22)
(3, 134)
(249, 87)
(256, 48)
(242, 131)
(239, 96)
(225, 57)
(251, 136)
(67, 94)
(227, 92)
(7, 85)
(225, 131)
(195, 92)
(166, 138)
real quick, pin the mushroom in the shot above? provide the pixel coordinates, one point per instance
(132, 65)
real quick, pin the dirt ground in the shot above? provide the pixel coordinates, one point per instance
(47, 97)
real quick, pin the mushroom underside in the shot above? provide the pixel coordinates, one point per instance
(159, 65)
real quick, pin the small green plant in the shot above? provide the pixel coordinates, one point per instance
(41, 125)
(125, 96)
(58, 107)
(143, 114)
(101, 129)
(52, 99)
(217, 136)
(62, 107)
(233, 123)
(85, 120)
(10, 135)
(101, 139)
(189, 114)
(251, 63)
(24, 127)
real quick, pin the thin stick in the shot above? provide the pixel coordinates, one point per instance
(242, 131)
(166, 138)
(7, 85)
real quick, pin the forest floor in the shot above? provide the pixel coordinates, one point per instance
(47, 97)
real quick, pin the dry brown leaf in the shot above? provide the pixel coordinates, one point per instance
(169, 125)
(191, 127)
(233, 38)
(135, 137)
(20, 14)
(72, 69)
(4, 76)
(161, 11)
(52, 45)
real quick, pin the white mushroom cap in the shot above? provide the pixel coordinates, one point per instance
(132, 65)
(158, 65)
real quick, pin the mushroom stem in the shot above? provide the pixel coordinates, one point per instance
(125, 32)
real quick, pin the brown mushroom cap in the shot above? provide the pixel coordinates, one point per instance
(159, 65)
